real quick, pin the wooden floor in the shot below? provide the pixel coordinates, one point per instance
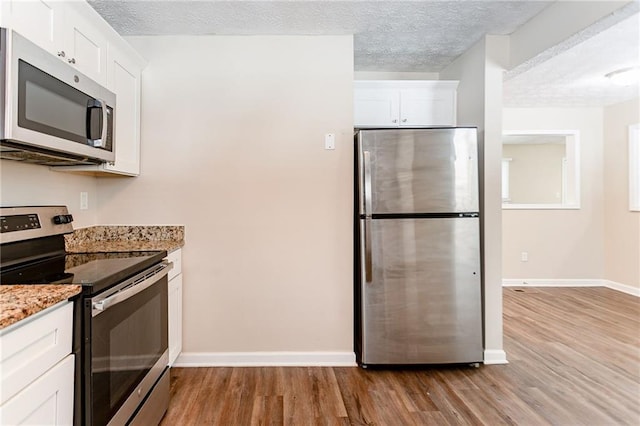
(574, 359)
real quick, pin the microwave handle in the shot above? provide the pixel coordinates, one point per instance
(98, 103)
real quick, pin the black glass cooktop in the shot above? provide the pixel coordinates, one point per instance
(94, 271)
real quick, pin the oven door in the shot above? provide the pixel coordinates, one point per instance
(127, 346)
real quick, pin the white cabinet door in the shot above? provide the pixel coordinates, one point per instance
(57, 27)
(175, 318)
(33, 346)
(47, 401)
(41, 21)
(426, 107)
(175, 305)
(404, 103)
(37, 369)
(86, 46)
(123, 78)
(375, 108)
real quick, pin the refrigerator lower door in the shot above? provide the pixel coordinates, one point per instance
(421, 300)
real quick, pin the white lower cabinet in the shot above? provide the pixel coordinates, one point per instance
(47, 401)
(175, 305)
(37, 369)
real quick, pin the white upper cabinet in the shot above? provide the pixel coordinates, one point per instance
(39, 21)
(404, 103)
(122, 69)
(376, 107)
(61, 29)
(74, 32)
(123, 79)
(85, 45)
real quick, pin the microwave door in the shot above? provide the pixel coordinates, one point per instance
(52, 107)
(49, 106)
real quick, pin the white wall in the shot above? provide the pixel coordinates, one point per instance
(561, 244)
(29, 185)
(480, 71)
(621, 226)
(233, 148)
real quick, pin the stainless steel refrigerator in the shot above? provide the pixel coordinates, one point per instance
(417, 230)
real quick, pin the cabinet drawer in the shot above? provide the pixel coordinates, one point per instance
(29, 350)
(47, 401)
(175, 257)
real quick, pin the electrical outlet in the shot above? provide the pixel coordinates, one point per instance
(524, 256)
(84, 201)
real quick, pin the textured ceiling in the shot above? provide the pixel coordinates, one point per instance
(422, 36)
(576, 76)
(412, 36)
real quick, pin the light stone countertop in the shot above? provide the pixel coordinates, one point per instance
(18, 302)
(125, 245)
(125, 238)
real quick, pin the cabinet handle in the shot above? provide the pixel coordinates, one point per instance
(72, 60)
(394, 121)
(61, 54)
(404, 120)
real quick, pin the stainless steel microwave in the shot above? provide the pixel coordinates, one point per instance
(51, 114)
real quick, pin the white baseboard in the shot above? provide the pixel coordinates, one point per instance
(266, 359)
(634, 291)
(291, 359)
(523, 282)
(495, 356)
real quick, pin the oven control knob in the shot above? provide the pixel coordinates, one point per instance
(62, 218)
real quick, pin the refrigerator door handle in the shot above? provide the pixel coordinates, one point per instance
(366, 243)
(367, 184)
(368, 210)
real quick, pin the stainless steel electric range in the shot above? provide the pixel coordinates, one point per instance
(120, 319)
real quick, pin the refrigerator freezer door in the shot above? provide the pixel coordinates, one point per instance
(420, 170)
(423, 302)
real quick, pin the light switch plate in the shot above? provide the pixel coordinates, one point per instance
(330, 141)
(84, 201)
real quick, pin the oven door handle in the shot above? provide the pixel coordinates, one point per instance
(130, 288)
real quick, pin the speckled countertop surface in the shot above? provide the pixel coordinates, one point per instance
(125, 238)
(17, 302)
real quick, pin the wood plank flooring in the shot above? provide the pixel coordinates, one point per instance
(574, 359)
